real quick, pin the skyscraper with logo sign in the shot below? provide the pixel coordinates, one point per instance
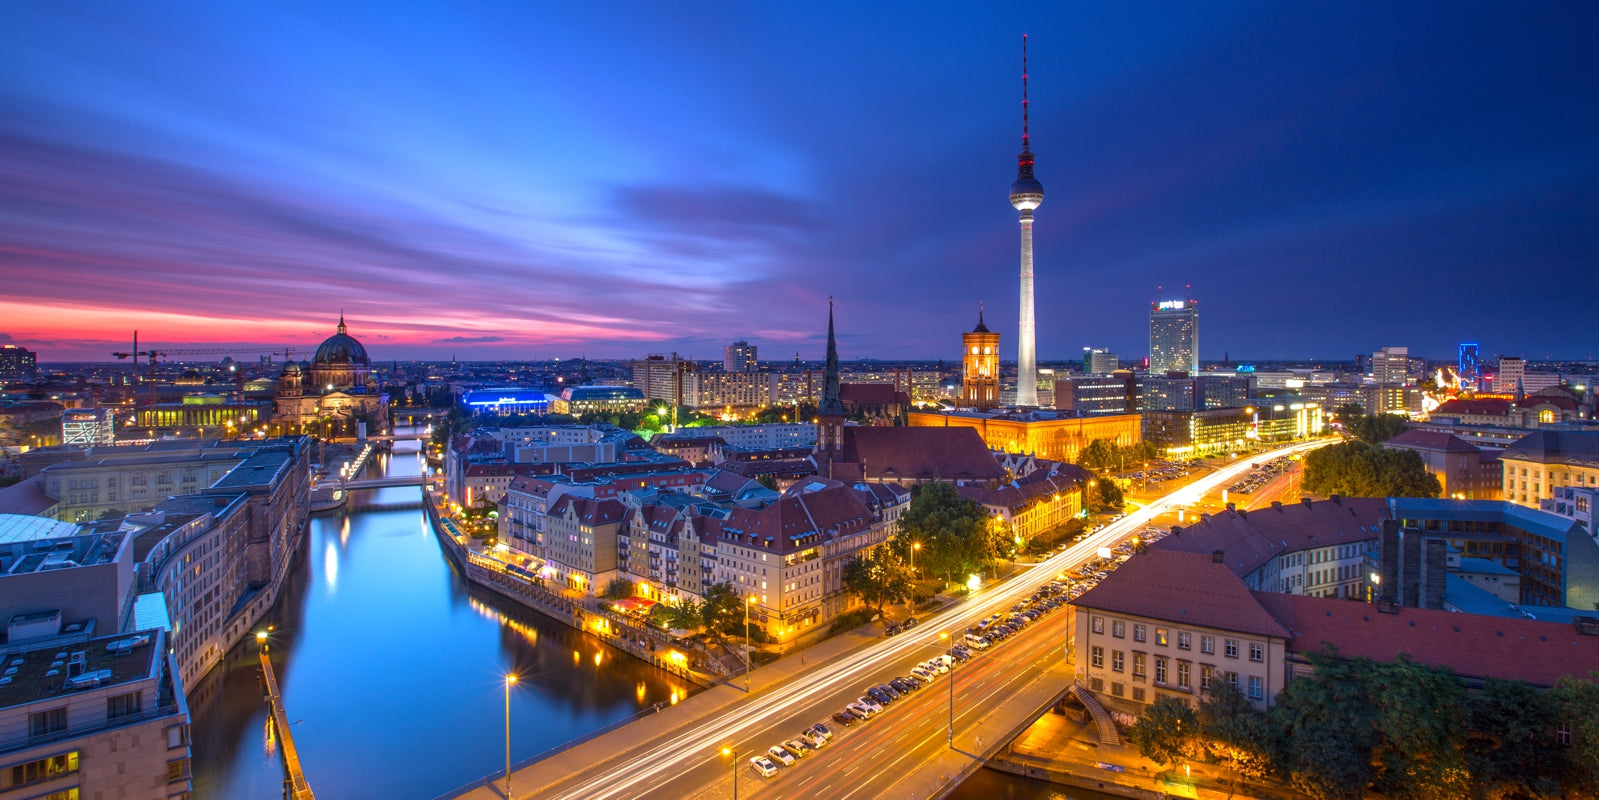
(1174, 336)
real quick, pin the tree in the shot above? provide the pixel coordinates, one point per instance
(1577, 701)
(1420, 726)
(957, 536)
(722, 613)
(1234, 731)
(1167, 732)
(1326, 727)
(768, 481)
(879, 576)
(1359, 469)
(1347, 413)
(1103, 495)
(1508, 748)
(1379, 428)
(618, 589)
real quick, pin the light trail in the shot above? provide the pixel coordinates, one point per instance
(702, 743)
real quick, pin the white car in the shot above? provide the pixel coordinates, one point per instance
(780, 755)
(946, 658)
(763, 766)
(814, 739)
(869, 704)
(977, 641)
(937, 665)
(923, 674)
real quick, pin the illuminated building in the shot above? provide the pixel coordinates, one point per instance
(508, 400)
(580, 400)
(88, 426)
(1545, 460)
(334, 393)
(1189, 433)
(1512, 375)
(1469, 367)
(17, 363)
(1118, 393)
(1391, 365)
(1282, 416)
(1026, 194)
(197, 413)
(979, 367)
(1055, 435)
(739, 357)
(1463, 470)
(1099, 361)
(1173, 336)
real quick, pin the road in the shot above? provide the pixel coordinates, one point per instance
(874, 756)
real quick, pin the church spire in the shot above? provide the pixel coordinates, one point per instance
(981, 328)
(341, 320)
(831, 405)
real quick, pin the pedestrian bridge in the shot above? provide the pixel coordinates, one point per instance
(384, 483)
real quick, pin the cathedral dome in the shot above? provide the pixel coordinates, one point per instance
(342, 348)
(291, 368)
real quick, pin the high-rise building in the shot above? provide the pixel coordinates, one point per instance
(1099, 361)
(1173, 336)
(1469, 369)
(1390, 365)
(17, 363)
(738, 357)
(979, 366)
(1026, 194)
(1512, 375)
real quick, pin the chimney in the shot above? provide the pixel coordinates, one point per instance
(1306, 501)
(1336, 499)
(1277, 504)
(1232, 506)
(1218, 557)
(1177, 530)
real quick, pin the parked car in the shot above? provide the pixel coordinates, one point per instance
(869, 704)
(910, 622)
(815, 740)
(822, 731)
(882, 698)
(901, 685)
(845, 718)
(798, 746)
(763, 766)
(780, 755)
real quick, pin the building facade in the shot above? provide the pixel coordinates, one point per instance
(1174, 336)
(979, 367)
(1057, 436)
(333, 394)
(739, 356)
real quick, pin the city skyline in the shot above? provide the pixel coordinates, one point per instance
(562, 182)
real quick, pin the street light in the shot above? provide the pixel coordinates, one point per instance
(747, 601)
(510, 680)
(261, 640)
(914, 547)
(728, 751)
(951, 696)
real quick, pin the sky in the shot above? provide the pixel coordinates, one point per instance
(533, 180)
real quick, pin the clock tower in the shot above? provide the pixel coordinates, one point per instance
(980, 366)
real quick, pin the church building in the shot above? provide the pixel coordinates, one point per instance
(332, 393)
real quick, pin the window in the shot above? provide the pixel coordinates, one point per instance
(1205, 673)
(122, 705)
(1232, 678)
(1097, 654)
(1138, 633)
(177, 770)
(1256, 652)
(44, 724)
(1098, 624)
(1138, 666)
(1255, 690)
(1160, 669)
(1097, 684)
(1118, 629)
(1118, 661)
(1207, 645)
(1185, 640)
(1232, 648)
(1563, 734)
(1182, 675)
(43, 769)
(64, 794)
(1138, 695)
(1117, 689)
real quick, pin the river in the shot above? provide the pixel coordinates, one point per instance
(391, 670)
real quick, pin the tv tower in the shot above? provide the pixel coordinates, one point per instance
(1026, 194)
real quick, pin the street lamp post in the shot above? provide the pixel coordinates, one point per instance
(728, 751)
(747, 601)
(510, 680)
(914, 547)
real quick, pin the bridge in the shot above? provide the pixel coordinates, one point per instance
(921, 747)
(398, 437)
(383, 483)
(296, 787)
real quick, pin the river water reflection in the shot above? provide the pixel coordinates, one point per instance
(391, 670)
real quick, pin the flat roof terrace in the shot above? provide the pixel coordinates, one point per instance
(42, 674)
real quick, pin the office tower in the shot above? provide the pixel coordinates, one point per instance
(1099, 361)
(1026, 194)
(1512, 375)
(17, 363)
(1468, 368)
(1390, 365)
(1173, 336)
(738, 357)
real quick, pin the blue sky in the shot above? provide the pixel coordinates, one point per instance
(527, 180)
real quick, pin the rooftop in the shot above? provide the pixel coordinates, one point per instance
(1249, 539)
(1182, 587)
(43, 673)
(16, 528)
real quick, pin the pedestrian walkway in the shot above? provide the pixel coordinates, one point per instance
(298, 788)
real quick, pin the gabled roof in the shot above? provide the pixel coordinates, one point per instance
(1485, 406)
(1185, 588)
(798, 521)
(1469, 645)
(1250, 539)
(1436, 441)
(590, 511)
(871, 394)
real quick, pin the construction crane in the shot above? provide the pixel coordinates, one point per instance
(153, 354)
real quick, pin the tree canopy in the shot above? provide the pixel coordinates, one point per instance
(1103, 495)
(1376, 428)
(957, 535)
(1105, 454)
(1359, 469)
(879, 576)
(723, 611)
(1167, 732)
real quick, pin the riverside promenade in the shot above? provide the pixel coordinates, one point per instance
(298, 788)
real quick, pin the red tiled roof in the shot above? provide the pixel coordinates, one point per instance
(904, 453)
(590, 511)
(871, 394)
(1184, 588)
(1488, 406)
(777, 527)
(1469, 645)
(1438, 441)
(1250, 539)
